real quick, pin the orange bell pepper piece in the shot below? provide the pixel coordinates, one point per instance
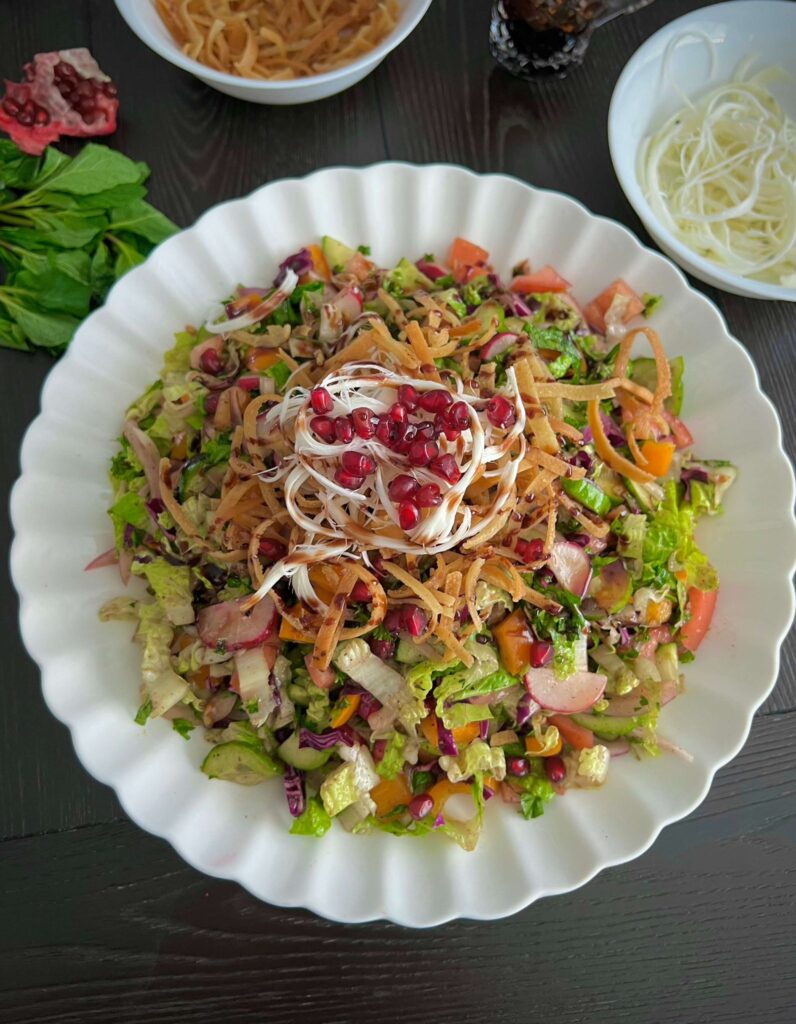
(288, 632)
(443, 790)
(658, 455)
(576, 735)
(533, 746)
(261, 358)
(345, 709)
(514, 640)
(319, 262)
(389, 794)
(462, 735)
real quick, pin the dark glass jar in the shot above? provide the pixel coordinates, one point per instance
(545, 38)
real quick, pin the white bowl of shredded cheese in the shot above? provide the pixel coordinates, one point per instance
(702, 133)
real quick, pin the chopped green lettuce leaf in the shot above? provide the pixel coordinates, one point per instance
(130, 510)
(477, 756)
(393, 760)
(313, 821)
(171, 585)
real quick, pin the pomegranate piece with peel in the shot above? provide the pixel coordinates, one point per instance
(63, 93)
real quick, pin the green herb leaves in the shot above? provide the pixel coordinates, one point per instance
(69, 228)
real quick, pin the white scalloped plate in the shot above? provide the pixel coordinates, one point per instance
(90, 670)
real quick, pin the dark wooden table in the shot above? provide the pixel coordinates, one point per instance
(101, 922)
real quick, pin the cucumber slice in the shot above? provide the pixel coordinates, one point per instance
(337, 254)
(645, 373)
(608, 728)
(240, 762)
(589, 495)
(304, 758)
(648, 496)
(489, 311)
(409, 654)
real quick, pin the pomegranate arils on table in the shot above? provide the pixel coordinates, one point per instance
(63, 93)
(398, 413)
(408, 515)
(458, 416)
(321, 400)
(324, 427)
(530, 550)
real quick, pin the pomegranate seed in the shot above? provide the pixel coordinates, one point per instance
(11, 106)
(530, 550)
(435, 401)
(413, 619)
(408, 515)
(398, 413)
(445, 466)
(428, 496)
(348, 480)
(422, 452)
(499, 412)
(555, 768)
(518, 766)
(383, 649)
(344, 429)
(420, 806)
(321, 400)
(211, 403)
(458, 416)
(392, 620)
(408, 396)
(357, 464)
(363, 423)
(360, 591)
(387, 432)
(402, 487)
(323, 426)
(271, 550)
(541, 653)
(427, 432)
(210, 361)
(25, 118)
(444, 429)
(42, 117)
(407, 432)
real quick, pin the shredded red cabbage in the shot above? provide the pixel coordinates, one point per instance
(700, 475)
(445, 740)
(293, 781)
(324, 741)
(612, 432)
(300, 262)
(483, 729)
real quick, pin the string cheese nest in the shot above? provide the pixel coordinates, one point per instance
(332, 519)
(721, 176)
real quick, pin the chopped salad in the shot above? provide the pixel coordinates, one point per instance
(414, 538)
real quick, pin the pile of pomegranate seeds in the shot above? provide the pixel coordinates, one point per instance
(63, 93)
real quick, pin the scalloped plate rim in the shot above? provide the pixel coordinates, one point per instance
(512, 904)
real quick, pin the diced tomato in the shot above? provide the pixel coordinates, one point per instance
(680, 433)
(597, 308)
(464, 256)
(544, 280)
(576, 735)
(701, 605)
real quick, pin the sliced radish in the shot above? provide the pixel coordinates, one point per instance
(322, 677)
(349, 303)
(571, 566)
(227, 624)
(498, 345)
(630, 703)
(576, 693)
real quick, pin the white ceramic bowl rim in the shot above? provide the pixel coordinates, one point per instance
(171, 52)
(417, 911)
(632, 189)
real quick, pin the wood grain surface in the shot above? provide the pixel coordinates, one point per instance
(102, 922)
